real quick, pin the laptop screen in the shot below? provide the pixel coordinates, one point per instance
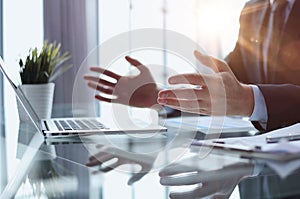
(20, 95)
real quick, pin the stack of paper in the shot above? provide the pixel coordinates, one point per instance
(257, 146)
(207, 124)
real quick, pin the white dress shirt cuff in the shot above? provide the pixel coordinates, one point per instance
(260, 109)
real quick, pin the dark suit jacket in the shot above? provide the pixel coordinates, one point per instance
(246, 61)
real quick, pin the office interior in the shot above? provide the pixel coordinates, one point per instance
(83, 27)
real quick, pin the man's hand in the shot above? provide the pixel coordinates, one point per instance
(139, 91)
(214, 94)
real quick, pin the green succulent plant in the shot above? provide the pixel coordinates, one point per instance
(44, 66)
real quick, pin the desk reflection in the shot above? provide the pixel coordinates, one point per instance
(59, 171)
(213, 176)
(217, 176)
(48, 178)
(109, 158)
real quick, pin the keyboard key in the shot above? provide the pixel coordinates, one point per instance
(64, 125)
(78, 124)
(73, 124)
(58, 125)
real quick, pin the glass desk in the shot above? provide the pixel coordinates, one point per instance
(126, 167)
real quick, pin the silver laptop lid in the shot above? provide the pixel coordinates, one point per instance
(22, 98)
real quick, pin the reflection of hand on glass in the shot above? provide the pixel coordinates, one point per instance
(46, 178)
(212, 91)
(107, 154)
(217, 183)
(138, 91)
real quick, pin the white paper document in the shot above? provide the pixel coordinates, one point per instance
(257, 146)
(207, 124)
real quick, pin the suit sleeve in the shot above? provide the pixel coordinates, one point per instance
(236, 58)
(283, 105)
(235, 61)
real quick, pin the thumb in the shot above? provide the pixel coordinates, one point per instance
(136, 177)
(215, 64)
(136, 63)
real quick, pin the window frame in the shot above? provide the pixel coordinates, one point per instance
(1, 77)
(3, 173)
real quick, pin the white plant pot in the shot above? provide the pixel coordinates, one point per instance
(40, 96)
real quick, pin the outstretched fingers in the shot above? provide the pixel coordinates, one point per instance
(104, 99)
(185, 93)
(105, 72)
(215, 64)
(192, 78)
(99, 81)
(192, 106)
(100, 88)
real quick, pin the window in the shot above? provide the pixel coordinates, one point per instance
(21, 31)
(3, 173)
(207, 22)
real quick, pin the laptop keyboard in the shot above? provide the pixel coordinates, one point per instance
(78, 124)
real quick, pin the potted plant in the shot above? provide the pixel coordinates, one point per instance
(38, 71)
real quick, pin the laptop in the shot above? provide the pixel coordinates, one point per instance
(68, 127)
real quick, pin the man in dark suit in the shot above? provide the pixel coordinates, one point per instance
(265, 55)
(277, 74)
(272, 71)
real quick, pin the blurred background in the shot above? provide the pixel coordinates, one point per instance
(82, 25)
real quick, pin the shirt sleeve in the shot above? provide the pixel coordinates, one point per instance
(260, 109)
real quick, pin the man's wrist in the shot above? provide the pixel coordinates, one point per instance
(260, 110)
(247, 105)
